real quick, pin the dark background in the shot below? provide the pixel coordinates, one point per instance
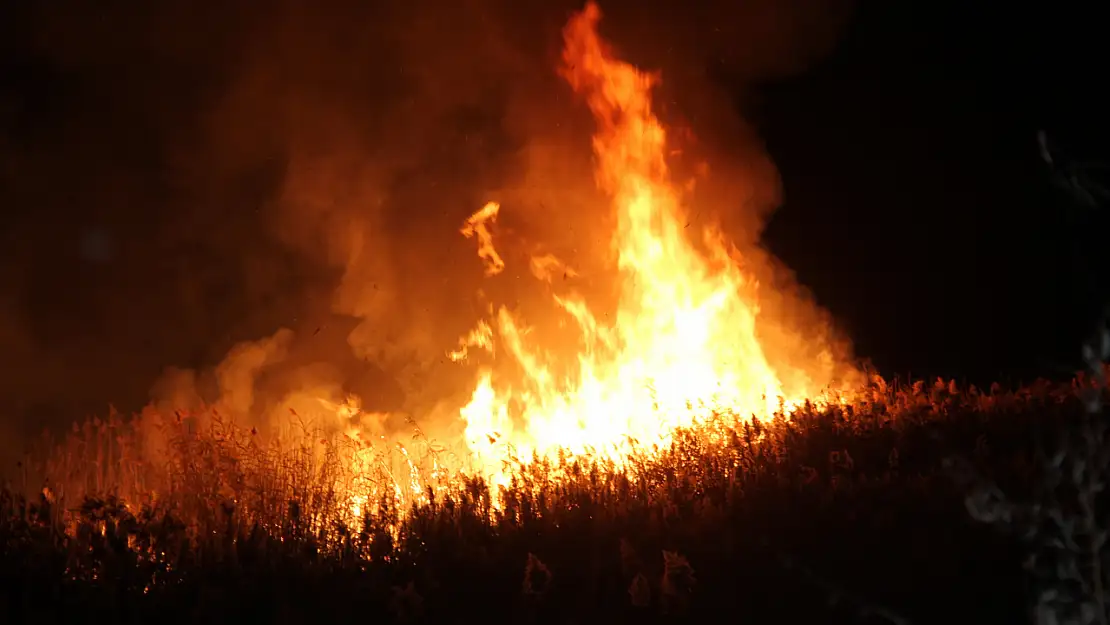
(915, 205)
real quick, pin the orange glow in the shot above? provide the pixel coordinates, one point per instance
(476, 226)
(682, 348)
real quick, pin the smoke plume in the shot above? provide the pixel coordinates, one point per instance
(259, 208)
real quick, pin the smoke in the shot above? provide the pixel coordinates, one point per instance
(269, 200)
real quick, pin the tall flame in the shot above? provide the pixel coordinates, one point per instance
(682, 346)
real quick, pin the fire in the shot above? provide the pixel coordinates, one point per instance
(682, 348)
(476, 226)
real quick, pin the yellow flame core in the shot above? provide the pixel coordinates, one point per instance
(682, 347)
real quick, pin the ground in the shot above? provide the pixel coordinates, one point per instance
(858, 514)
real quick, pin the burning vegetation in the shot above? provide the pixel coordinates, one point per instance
(680, 345)
(630, 428)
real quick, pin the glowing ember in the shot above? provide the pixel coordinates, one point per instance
(682, 347)
(476, 226)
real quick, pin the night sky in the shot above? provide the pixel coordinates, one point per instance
(917, 205)
(142, 156)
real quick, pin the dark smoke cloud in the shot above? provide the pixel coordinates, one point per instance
(181, 177)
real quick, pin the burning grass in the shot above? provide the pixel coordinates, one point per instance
(556, 507)
(762, 520)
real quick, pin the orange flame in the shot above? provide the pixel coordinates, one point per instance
(682, 347)
(476, 226)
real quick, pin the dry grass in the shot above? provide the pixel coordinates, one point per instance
(1065, 520)
(183, 518)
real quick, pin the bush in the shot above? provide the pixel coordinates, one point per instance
(835, 514)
